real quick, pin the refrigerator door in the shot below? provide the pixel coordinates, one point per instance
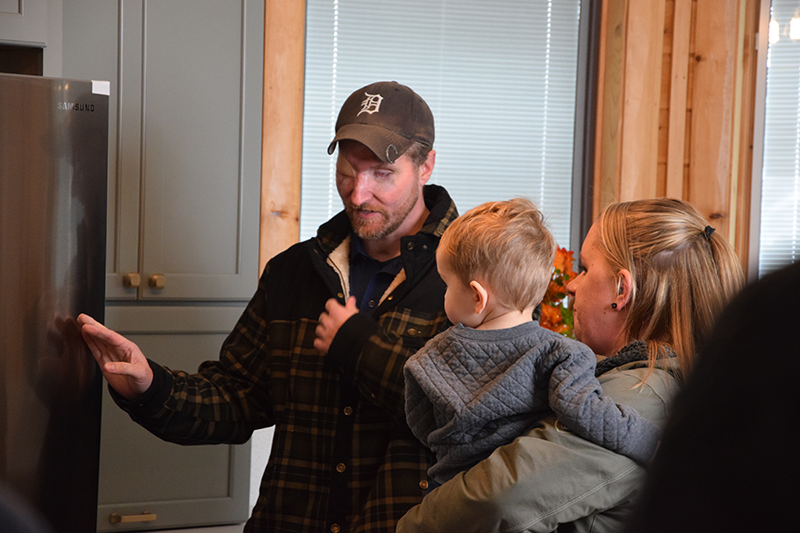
(53, 171)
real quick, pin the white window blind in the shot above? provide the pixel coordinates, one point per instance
(780, 177)
(499, 77)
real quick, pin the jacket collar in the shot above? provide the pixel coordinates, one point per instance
(333, 243)
(636, 351)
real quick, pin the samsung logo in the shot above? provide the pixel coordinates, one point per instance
(71, 106)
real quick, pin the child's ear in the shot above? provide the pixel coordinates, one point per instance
(480, 296)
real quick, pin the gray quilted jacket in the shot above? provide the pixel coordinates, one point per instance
(469, 391)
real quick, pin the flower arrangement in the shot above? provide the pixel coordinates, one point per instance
(556, 312)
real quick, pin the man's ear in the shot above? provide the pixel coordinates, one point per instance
(426, 168)
(480, 296)
(625, 288)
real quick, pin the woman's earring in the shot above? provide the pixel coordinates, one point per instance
(614, 305)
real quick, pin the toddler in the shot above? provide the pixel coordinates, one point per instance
(494, 374)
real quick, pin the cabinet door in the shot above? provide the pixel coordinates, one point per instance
(201, 111)
(23, 22)
(183, 217)
(145, 478)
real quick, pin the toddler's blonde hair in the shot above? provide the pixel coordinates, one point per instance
(505, 245)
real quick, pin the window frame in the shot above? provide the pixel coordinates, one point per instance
(582, 216)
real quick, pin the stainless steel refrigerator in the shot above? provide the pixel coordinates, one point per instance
(53, 171)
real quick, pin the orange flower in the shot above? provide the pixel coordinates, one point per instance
(556, 313)
(563, 262)
(550, 316)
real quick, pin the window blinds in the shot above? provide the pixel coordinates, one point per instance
(780, 178)
(499, 77)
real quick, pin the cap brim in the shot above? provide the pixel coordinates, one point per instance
(385, 144)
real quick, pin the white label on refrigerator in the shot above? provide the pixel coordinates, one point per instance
(101, 87)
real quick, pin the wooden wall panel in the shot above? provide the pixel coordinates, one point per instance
(713, 101)
(675, 106)
(642, 99)
(629, 101)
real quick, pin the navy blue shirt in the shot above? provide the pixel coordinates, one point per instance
(369, 278)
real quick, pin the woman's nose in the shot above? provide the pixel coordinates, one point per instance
(572, 284)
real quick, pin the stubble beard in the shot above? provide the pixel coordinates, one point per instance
(368, 230)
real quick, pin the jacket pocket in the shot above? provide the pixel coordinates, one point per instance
(413, 327)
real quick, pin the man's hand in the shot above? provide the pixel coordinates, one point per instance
(331, 320)
(120, 360)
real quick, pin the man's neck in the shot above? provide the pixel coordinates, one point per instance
(388, 247)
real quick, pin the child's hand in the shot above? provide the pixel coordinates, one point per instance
(331, 320)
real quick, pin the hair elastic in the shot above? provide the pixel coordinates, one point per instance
(707, 233)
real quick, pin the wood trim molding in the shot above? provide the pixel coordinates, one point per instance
(678, 97)
(609, 102)
(282, 137)
(744, 172)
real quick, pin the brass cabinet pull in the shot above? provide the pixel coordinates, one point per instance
(146, 516)
(157, 281)
(131, 279)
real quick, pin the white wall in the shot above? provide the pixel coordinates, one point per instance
(261, 446)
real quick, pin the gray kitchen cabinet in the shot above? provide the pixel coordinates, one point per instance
(23, 22)
(185, 138)
(183, 219)
(146, 483)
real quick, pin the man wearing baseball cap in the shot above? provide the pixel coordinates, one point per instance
(320, 349)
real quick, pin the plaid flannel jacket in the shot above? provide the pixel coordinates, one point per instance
(343, 458)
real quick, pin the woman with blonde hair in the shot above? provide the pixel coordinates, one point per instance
(654, 276)
(672, 276)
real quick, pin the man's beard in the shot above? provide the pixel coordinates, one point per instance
(368, 230)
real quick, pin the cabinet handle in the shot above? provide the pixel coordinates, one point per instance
(146, 516)
(158, 281)
(131, 279)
